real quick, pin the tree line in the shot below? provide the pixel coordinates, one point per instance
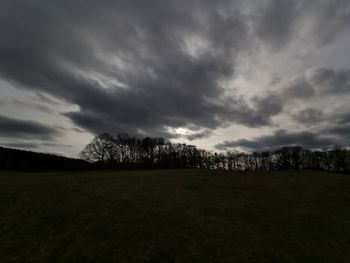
(125, 151)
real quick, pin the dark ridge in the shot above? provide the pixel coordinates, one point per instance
(21, 160)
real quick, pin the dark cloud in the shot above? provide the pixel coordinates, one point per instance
(32, 105)
(276, 21)
(298, 88)
(280, 139)
(199, 135)
(317, 23)
(56, 144)
(273, 102)
(344, 118)
(138, 67)
(326, 19)
(269, 105)
(309, 116)
(341, 131)
(15, 128)
(23, 145)
(335, 124)
(77, 130)
(315, 82)
(330, 81)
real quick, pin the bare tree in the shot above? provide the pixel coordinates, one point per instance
(101, 148)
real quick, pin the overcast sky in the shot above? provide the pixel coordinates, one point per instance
(223, 75)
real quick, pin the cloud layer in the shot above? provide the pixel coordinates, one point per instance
(16, 128)
(278, 140)
(150, 68)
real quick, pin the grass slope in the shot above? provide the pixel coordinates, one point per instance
(174, 216)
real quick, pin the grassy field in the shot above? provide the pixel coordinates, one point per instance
(174, 216)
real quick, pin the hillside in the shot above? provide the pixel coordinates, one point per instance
(13, 159)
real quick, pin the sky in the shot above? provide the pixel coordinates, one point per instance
(246, 75)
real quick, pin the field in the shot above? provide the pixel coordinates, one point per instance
(174, 216)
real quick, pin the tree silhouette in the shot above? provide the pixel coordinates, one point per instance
(102, 148)
(123, 150)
